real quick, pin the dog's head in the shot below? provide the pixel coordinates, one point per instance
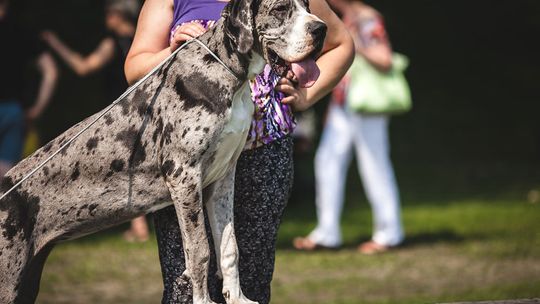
(282, 31)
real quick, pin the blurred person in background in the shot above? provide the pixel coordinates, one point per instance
(264, 170)
(110, 54)
(368, 135)
(20, 48)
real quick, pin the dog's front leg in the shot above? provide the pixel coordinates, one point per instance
(220, 207)
(187, 197)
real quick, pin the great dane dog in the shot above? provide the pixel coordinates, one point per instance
(173, 140)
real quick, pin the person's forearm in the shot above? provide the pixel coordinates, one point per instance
(73, 59)
(333, 65)
(380, 57)
(139, 65)
(339, 5)
(49, 76)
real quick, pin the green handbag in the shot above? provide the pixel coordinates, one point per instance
(374, 92)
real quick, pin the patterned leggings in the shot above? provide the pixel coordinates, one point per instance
(263, 182)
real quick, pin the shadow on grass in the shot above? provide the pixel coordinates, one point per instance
(442, 236)
(445, 236)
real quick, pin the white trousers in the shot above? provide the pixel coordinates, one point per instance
(368, 134)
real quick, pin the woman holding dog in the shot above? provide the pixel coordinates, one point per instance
(264, 170)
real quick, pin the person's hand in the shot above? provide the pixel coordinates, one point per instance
(50, 37)
(185, 32)
(295, 96)
(33, 113)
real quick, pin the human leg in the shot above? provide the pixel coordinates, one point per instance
(331, 162)
(11, 135)
(375, 167)
(263, 182)
(138, 230)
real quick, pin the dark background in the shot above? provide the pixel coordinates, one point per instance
(474, 76)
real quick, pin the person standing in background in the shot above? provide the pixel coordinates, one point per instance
(19, 49)
(110, 54)
(368, 134)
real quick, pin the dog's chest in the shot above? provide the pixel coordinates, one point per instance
(233, 137)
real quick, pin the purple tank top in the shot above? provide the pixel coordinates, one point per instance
(272, 120)
(189, 10)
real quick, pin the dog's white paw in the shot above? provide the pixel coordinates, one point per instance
(245, 300)
(203, 301)
(240, 299)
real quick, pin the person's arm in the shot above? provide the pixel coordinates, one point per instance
(378, 52)
(336, 58)
(83, 66)
(380, 56)
(49, 73)
(151, 42)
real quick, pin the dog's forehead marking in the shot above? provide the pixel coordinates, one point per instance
(299, 27)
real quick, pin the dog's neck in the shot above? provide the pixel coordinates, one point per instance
(245, 66)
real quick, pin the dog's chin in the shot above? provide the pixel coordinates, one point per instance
(305, 70)
(278, 65)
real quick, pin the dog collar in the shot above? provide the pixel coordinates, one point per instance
(216, 57)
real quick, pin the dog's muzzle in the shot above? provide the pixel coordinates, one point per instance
(306, 70)
(304, 67)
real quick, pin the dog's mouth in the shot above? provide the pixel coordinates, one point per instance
(306, 70)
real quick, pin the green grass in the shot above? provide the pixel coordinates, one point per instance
(473, 246)
(463, 250)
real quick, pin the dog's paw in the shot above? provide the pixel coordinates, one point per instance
(203, 301)
(241, 299)
(244, 300)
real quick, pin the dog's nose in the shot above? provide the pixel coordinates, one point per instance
(317, 29)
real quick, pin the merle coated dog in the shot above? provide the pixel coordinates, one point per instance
(173, 140)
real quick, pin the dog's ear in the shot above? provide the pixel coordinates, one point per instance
(238, 18)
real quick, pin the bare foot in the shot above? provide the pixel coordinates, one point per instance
(306, 244)
(372, 248)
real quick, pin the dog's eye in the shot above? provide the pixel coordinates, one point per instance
(281, 8)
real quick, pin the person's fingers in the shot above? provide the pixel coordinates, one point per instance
(48, 36)
(178, 40)
(189, 31)
(291, 93)
(193, 29)
(199, 27)
(181, 38)
(183, 34)
(288, 100)
(287, 86)
(286, 81)
(32, 114)
(291, 76)
(287, 89)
